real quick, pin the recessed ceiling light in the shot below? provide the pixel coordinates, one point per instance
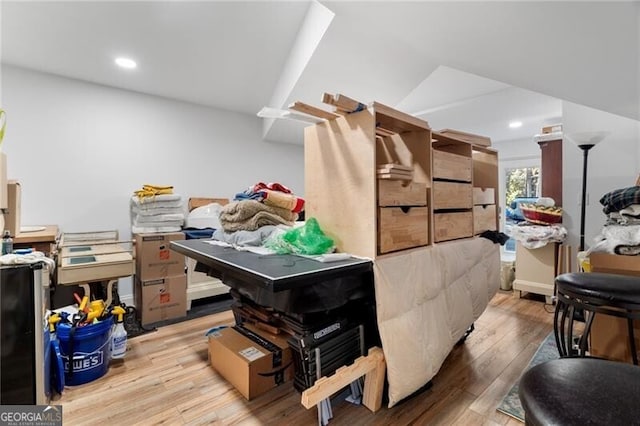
(126, 63)
(515, 124)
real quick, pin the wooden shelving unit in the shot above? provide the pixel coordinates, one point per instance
(364, 215)
(452, 191)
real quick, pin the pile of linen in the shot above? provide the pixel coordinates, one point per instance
(156, 210)
(621, 232)
(262, 207)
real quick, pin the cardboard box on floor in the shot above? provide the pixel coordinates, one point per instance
(609, 334)
(252, 360)
(161, 299)
(154, 258)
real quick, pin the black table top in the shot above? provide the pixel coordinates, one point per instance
(277, 272)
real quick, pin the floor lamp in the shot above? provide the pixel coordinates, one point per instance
(585, 141)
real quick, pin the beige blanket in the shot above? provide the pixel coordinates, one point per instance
(249, 215)
(426, 299)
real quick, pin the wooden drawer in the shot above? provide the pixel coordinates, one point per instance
(484, 218)
(399, 193)
(483, 196)
(399, 230)
(449, 226)
(447, 165)
(452, 195)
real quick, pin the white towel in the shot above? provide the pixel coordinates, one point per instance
(154, 229)
(169, 200)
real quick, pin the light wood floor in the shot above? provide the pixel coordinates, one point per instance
(165, 379)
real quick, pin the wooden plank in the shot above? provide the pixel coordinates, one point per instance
(374, 383)
(465, 137)
(395, 176)
(343, 102)
(393, 170)
(311, 110)
(327, 386)
(396, 166)
(381, 131)
(397, 121)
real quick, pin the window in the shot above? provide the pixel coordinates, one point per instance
(520, 183)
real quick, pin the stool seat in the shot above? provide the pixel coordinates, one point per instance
(591, 293)
(610, 289)
(581, 391)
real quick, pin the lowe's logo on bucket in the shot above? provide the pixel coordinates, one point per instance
(82, 362)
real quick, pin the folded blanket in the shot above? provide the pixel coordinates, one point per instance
(245, 238)
(282, 200)
(620, 199)
(249, 215)
(154, 229)
(158, 200)
(169, 219)
(153, 211)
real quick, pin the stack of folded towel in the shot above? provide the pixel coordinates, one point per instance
(621, 233)
(249, 215)
(156, 209)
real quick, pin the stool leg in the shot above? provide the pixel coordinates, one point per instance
(572, 311)
(584, 339)
(556, 325)
(632, 342)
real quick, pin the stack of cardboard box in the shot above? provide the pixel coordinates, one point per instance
(160, 289)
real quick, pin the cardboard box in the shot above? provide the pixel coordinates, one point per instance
(253, 362)
(610, 338)
(615, 264)
(609, 335)
(161, 299)
(12, 218)
(154, 258)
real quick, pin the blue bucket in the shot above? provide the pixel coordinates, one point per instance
(91, 351)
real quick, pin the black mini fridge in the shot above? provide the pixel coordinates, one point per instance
(24, 365)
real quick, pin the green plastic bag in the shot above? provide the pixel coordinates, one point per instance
(306, 239)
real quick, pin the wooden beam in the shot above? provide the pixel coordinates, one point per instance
(324, 387)
(343, 102)
(374, 384)
(311, 110)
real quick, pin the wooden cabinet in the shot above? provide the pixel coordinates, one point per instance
(452, 193)
(366, 216)
(536, 270)
(465, 187)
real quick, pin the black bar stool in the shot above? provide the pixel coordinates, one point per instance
(610, 294)
(581, 391)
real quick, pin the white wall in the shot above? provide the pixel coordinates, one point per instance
(80, 150)
(613, 164)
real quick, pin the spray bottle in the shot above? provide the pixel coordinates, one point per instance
(119, 335)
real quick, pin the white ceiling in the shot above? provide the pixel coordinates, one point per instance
(473, 66)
